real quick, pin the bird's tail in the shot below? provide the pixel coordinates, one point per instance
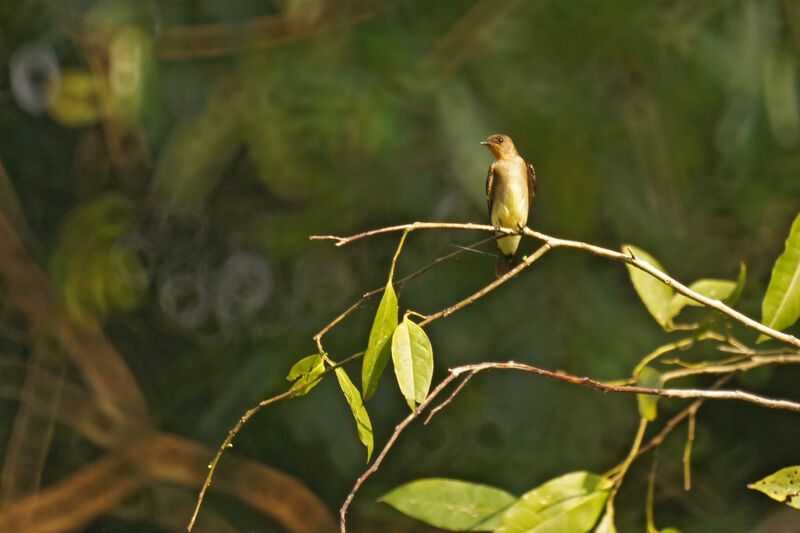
(505, 263)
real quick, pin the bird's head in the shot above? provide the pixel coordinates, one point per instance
(500, 145)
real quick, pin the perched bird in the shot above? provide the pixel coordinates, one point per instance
(510, 188)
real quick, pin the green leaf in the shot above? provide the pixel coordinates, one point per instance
(379, 348)
(451, 504)
(783, 485)
(716, 289)
(305, 371)
(575, 515)
(781, 306)
(412, 356)
(670, 530)
(651, 378)
(606, 524)
(572, 502)
(353, 398)
(656, 295)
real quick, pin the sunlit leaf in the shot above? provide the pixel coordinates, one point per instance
(650, 378)
(572, 502)
(606, 524)
(783, 485)
(305, 371)
(412, 356)
(656, 295)
(451, 504)
(363, 424)
(576, 515)
(716, 289)
(379, 347)
(781, 306)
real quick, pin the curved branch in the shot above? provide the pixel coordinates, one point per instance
(562, 376)
(555, 242)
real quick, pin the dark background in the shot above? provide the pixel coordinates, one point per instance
(165, 162)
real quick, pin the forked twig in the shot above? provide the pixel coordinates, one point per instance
(554, 242)
(562, 376)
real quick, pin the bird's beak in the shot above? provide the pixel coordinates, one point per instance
(487, 143)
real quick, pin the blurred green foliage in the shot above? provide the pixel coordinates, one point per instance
(182, 152)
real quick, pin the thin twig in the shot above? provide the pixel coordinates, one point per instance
(667, 393)
(381, 456)
(318, 339)
(449, 398)
(687, 450)
(549, 243)
(554, 242)
(228, 442)
(341, 241)
(620, 471)
(399, 285)
(744, 366)
(651, 484)
(677, 345)
(678, 418)
(396, 255)
(569, 378)
(667, 280)
(528, 261)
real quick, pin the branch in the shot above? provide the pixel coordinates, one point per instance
(341, 241)
(675, 420)
(528, 261)
(398, 285)
(562, 376)
(554, 242)
(228, 442)
(378, 460)
(744, 366)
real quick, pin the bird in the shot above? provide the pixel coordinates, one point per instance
(510, 189)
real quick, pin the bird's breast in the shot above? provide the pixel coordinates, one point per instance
(510, 204)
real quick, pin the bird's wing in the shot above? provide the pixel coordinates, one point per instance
(531, 184)
(490, 188)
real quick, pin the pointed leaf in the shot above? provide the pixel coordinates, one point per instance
(606, 524)
(655, 295)
(451, 504)
(412, 356)
(379, 347)
(781, 306)
(717, 289)
(305, 371)
(575, 515)
(353, 398)
(557, 497)
(783, 485)
(648, 403)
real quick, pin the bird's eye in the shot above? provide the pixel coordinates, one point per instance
(500, 140)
